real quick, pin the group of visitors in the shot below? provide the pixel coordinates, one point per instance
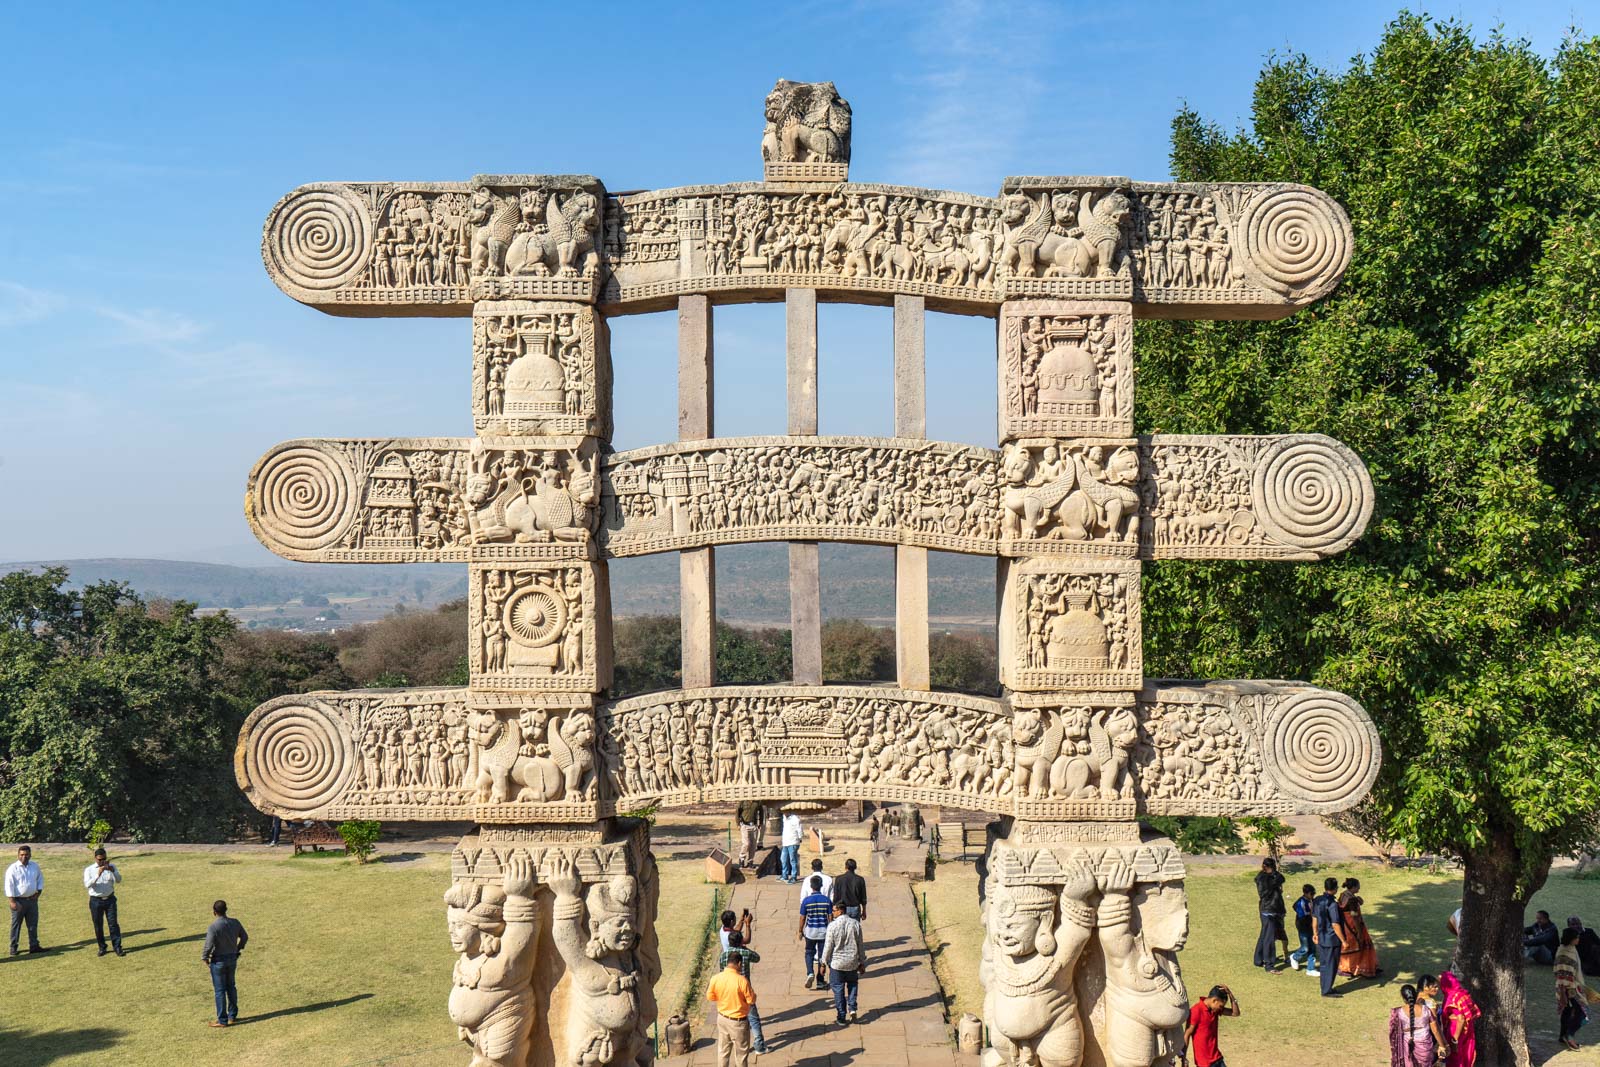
(225, 937)
(1333, 934)
(831, 912)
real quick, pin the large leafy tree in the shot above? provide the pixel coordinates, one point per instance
(111, 709)
(1460, 359)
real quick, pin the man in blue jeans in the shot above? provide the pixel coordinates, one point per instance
(225, 939)
(1306, 955)
(846, 956)
(815, 912)
(789, 854)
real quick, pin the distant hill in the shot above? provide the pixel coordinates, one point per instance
(752, 586)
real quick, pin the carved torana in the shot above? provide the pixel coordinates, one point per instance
(551, 911)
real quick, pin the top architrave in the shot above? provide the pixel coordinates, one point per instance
(1174, 250)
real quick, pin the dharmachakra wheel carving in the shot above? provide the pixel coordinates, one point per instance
(536, 616)
(304, 498)
(1312, 494)
(319, 238)
(1322, 749)
(298, 756)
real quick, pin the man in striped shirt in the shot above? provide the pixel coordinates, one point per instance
(815, 912)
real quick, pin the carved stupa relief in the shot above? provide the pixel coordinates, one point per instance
(1071, 624)
(539, 368)
(1066, 369)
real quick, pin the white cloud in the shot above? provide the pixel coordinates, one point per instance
(21, 304)
(153, 326)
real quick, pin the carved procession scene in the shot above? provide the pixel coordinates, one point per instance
(553, 900)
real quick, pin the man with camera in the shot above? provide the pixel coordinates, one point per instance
(100, 878)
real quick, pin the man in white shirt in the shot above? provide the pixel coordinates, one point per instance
(100, 878)
(789, 854)
(24, 883)
(827, 879)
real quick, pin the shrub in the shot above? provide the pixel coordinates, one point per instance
(360, 838)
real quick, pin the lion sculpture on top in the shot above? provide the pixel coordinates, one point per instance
(807, 122)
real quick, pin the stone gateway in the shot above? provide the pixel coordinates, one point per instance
(553, 898)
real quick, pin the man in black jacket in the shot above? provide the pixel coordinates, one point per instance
(850, 890)
(1540, 941)
(225, 939)
(1588, 946)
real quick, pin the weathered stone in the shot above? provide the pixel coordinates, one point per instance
(1082, 916)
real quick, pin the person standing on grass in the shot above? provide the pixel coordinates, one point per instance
(1359, 956)
(749, 816)
(738, 948)
(225, 939)
(1572, 997)
(730, 991)
(1306, 955)
(1459, 1020)
(815, 912)
(1329, 922)
(850, 889)
(1414, 1037)
(100, 878)
(24, 884)
(790, 853)
(1269, 898)
(845, 953)
(1200, 1035)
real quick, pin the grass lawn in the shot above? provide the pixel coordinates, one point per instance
(1283, 1020)
(347, 965)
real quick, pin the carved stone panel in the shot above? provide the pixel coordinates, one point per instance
(1070, 498)
(554, 927)
(872, 490)
(425, 499)
(540, 368)
(1292, 496)
(1079, 961)
(1066, 369)
(1065, 237)
(748, 240)
(537, 627)
(431, 248)
(1071, 624)
(422, 754)
(737, 743)
(1199, 245)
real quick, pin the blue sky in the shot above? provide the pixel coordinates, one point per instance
(146, 361)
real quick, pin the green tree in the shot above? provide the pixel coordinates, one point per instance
(852, 651)
(1459, 359)
(111, 710)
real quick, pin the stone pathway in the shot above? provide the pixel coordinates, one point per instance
(901, 1009)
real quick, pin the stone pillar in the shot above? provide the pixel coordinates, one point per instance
(697, 567)
(555, 929)
(1082, 925)
(805, 578)
(910, 562)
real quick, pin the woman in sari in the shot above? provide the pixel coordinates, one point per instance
(1572, 998)
(1458, 1019)
(1414, 1039)
(1358, 957)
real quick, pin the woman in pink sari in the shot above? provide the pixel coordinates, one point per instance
(1458, 1017)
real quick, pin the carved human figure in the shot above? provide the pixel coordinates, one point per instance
(1036, 937)
(599, 951)
(1144, 1000)
(496, 931)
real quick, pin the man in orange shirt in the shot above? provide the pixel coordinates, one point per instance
(730, 991)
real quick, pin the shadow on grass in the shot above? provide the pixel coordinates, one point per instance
(39, 1047)
(71, 945)
(303, 1009)
(163, 943)
(399, 857)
